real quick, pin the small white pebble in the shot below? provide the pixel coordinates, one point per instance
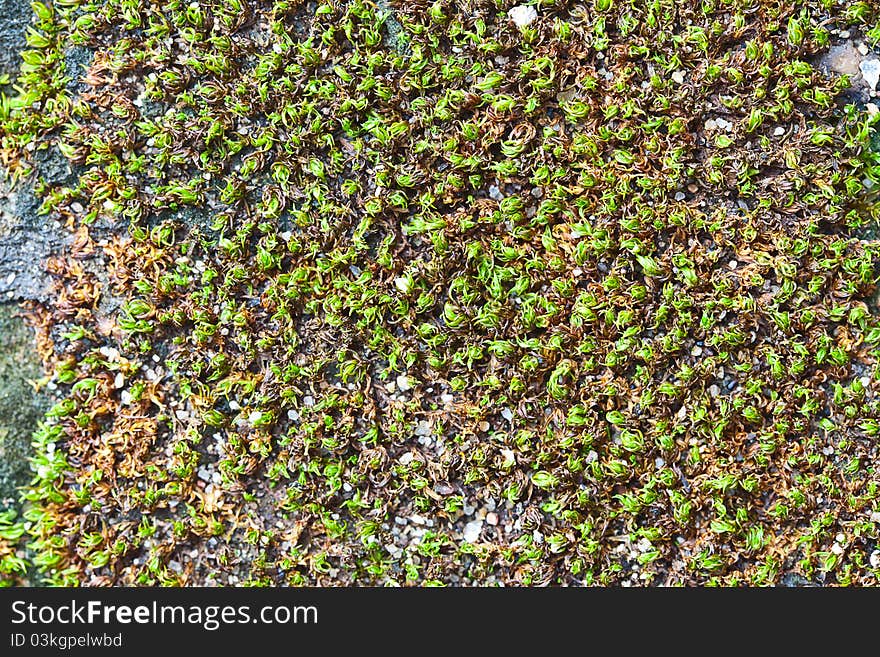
(779, 131)
(523, 15)
(507, 414)
(109, 353)
(678, 77)
(472, 531)
(492, 519)
(403, 383)
(119, 381)
(870, 69)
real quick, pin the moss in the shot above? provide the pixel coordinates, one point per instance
(432, 298)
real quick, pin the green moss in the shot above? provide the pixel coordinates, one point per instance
(431, 298)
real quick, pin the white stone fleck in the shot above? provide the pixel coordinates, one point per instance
(523, 15)
(870, 69)
(403, 383)
(779, 131)
(472, 531)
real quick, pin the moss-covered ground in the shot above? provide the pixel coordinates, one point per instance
(416, 293)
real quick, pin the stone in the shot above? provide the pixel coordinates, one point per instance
(870, 69)
(472, 531)
(842, 59)
(523, 15)
(21, 407)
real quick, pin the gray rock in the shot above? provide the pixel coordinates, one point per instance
(27, 239)
(15, 15)
(20, 407)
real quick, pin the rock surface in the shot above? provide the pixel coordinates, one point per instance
(14, 16)
(21, 408)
